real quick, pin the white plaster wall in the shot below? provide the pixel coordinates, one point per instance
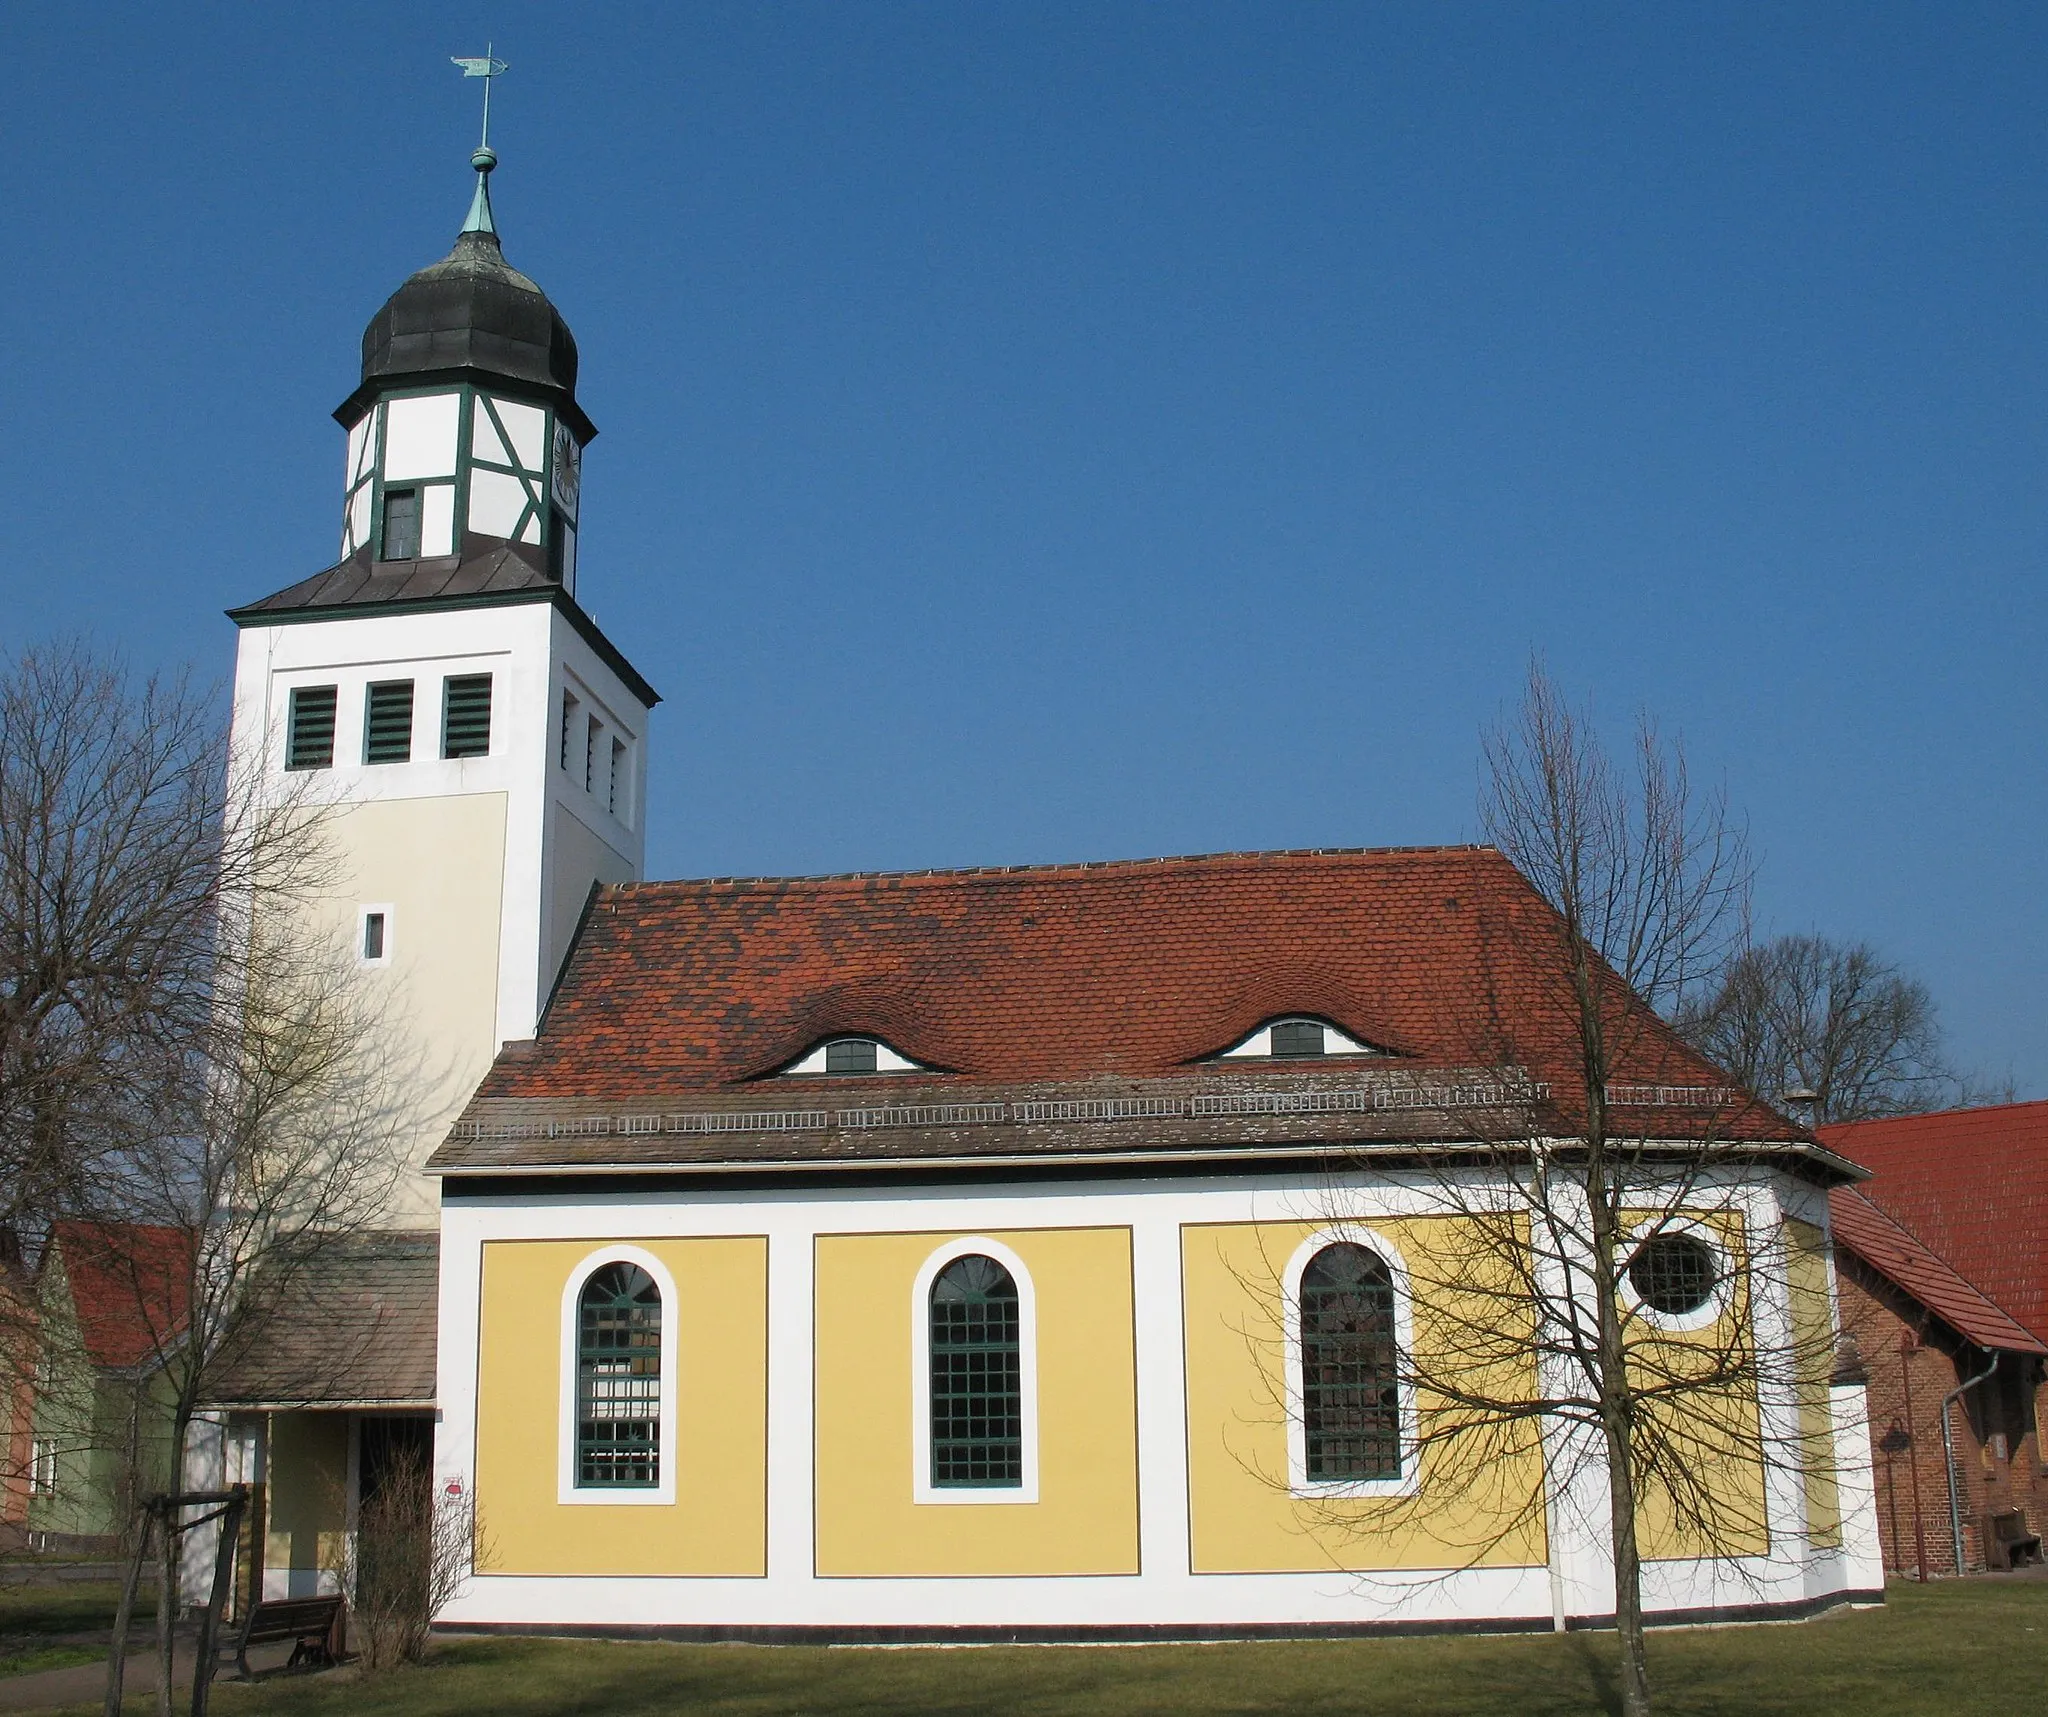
(1166, 1593)
(419, 435)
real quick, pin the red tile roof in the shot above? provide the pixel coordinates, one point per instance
(1973, 1185)
(1123, 970)
(131, 1286)
(1895, 1254)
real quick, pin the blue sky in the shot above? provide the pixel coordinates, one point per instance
(1038, 432)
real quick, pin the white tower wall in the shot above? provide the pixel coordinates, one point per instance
(479, 865)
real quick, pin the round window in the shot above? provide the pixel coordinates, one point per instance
(1674, 1274)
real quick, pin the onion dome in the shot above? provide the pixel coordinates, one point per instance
(471, 317)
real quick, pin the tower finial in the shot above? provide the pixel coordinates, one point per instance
(483, 160)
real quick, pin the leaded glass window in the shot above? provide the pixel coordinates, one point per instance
(618, 1379)
(977, 1396)
(1350, 1395)
(1674, 1274)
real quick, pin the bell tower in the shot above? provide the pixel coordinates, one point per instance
(480, 742)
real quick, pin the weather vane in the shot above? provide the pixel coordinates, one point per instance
(485, 68)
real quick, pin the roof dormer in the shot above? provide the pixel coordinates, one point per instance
(852, 1055)
(1296, 1037)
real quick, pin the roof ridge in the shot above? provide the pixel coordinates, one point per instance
(1940, 1114)
(1068, 867)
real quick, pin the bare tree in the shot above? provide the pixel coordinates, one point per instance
(1833, 1018)
(1610, 1315)
(187, 1066)
(412, 1551)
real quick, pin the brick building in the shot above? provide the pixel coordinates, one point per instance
(1944, 1289)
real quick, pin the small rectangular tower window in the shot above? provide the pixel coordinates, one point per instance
(466, 715)
(569, 708)
(401, 524)
(373, 938)
(310, 741)
(387, 722)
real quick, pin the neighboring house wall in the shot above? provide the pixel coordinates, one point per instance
(1914, 1360)
(100, 1435)
(17, 1405)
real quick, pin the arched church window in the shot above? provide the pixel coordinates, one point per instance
(618, 1379)
(1350, 1389)
(977, 1394)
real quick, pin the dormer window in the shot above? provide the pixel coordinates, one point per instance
(1292, 1037)
(1298, 1037)
(853, 1055)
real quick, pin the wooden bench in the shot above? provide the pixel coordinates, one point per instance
(2007, 1541)
(312, 1624)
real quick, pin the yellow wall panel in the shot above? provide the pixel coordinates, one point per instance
(718, 1523)
(308, 1491)
(1700, 1477)
(437, 1001)
(1478, 1502)
(1086, 1518)
(1813, 1329)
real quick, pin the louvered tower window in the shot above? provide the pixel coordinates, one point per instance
(310, 741)
(387, 722)
(977, 1377)
(618, 1379)
(1350, 1394)
(466, 715)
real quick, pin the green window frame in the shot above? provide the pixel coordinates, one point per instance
(466, 715)
(977, 1377)
(309, 739)
(387, 722)
(1350, 1382)
(618, 1379)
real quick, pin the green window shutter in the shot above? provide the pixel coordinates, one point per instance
(310, 741)
(1350, 1391)
(977, 1394)
(387, 722)
(466, 715)
(618, 1379)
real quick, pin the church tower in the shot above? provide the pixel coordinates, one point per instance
(482, 742)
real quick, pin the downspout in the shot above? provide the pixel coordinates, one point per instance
(1948, 1458)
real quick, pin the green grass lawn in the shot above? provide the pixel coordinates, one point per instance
(35, 1617)
(1980, 1647)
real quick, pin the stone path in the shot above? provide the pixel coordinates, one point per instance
(86, 1683)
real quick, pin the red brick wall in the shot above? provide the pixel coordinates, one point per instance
(2003, 1409)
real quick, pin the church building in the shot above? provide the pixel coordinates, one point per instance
(1022, 1253)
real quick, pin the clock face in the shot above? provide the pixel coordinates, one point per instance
(566, 463)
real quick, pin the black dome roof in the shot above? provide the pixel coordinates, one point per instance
(474, 316)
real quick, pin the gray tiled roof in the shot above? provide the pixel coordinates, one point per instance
(355, 1327)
